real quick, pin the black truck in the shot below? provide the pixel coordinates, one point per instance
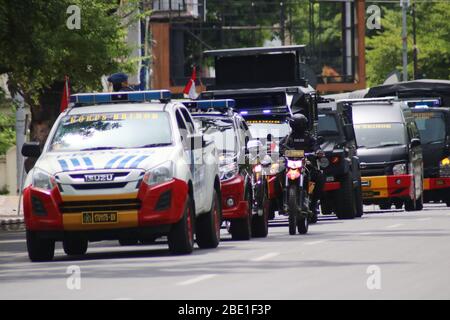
(342, 192)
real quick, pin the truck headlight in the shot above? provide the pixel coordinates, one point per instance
(399, 169)
(445, 162)
(43, 180)
(160, 174)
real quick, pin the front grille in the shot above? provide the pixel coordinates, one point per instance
(100, 205)
(95, 186)
(373, 172)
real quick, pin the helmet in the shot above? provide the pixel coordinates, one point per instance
(298, 123)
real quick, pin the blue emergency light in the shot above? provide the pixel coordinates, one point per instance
(220, 105)
(115, 97)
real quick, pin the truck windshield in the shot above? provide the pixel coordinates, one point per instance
(327, 125)
(103, 131)
(431, 126)
(260, 129)
(379, 135)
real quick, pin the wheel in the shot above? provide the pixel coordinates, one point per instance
(313, 219)
(359, 202)
(346, 208)
(293, 209)
(208, 225)
(39, 249)
(241, 229)
(302, 225)
(447, 203)
(398, 205)
(272, 208)
(75, 246)
(181, 235)
(128, 242)
(326, 206)
(260, 224)
(414, 205)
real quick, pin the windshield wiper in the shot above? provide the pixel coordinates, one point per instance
(385, 145)
(154, 145)
(100, 148)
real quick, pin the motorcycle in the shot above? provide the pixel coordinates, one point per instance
(298, 187)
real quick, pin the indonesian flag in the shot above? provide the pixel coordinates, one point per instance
(189, 90)
(65, 99)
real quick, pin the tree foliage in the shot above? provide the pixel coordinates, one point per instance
(384, 48)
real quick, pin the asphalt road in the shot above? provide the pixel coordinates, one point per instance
(384, 255)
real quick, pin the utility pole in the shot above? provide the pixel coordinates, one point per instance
(20, 139)
(405, 4)
(415, 52)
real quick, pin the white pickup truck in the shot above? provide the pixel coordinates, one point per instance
(122, 166)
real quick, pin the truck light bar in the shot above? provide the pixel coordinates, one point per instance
(115, 97)
(220, 105)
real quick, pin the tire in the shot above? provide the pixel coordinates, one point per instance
(292, 209)
(447, 203)
(128, 242)
(208, 225)
(359, 202)
(39, 250)
(346, 208)
(326, 206)
(414, 205)
(75, 246)
(260, 224)
(181, 235)
(241, 229)
(302, 225)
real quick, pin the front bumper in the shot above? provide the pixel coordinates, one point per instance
(234, 190)
(387, 187)
(148, 207)
(436, 189)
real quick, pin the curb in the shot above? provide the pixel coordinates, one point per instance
(5, 222)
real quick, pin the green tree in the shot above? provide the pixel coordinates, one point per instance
(7, 121)
(384, 48)
(38, 50)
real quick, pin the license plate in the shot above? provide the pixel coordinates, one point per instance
(370, 194)
(99, 217)
(294, 153)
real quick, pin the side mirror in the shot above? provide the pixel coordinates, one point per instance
(31, 150)
(415, 142)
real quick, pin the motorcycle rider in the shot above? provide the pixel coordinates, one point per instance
(301, 139)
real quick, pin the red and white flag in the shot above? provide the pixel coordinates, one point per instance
(189, 91)
(65, 99)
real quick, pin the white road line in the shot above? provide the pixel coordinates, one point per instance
(315, 242)
(394, 226)
(197, 279)
(265, 257)
(13, 241)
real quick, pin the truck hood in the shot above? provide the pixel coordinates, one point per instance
(105, 160)
(380, 155)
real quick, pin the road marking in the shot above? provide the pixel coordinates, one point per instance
(13, 241)
(423, 219)
(315, 242)
(265, 257)
(394, 226)
(197, 279)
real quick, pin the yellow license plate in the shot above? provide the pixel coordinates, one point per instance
(294, 153)
(99, 217)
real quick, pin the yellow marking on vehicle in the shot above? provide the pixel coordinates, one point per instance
(426, 184)
(375, 187)
(125, 219)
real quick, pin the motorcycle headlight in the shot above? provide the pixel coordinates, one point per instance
(257, 168)
(294, 164)
(43, 180)
(324, 162)
(399, 169)
(160, 174)
(228, 171)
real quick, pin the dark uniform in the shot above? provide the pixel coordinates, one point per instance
(301, 139)
(119, 82)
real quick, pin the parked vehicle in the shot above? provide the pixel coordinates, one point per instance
(390, 153)
(342, 193)
(122, 166)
